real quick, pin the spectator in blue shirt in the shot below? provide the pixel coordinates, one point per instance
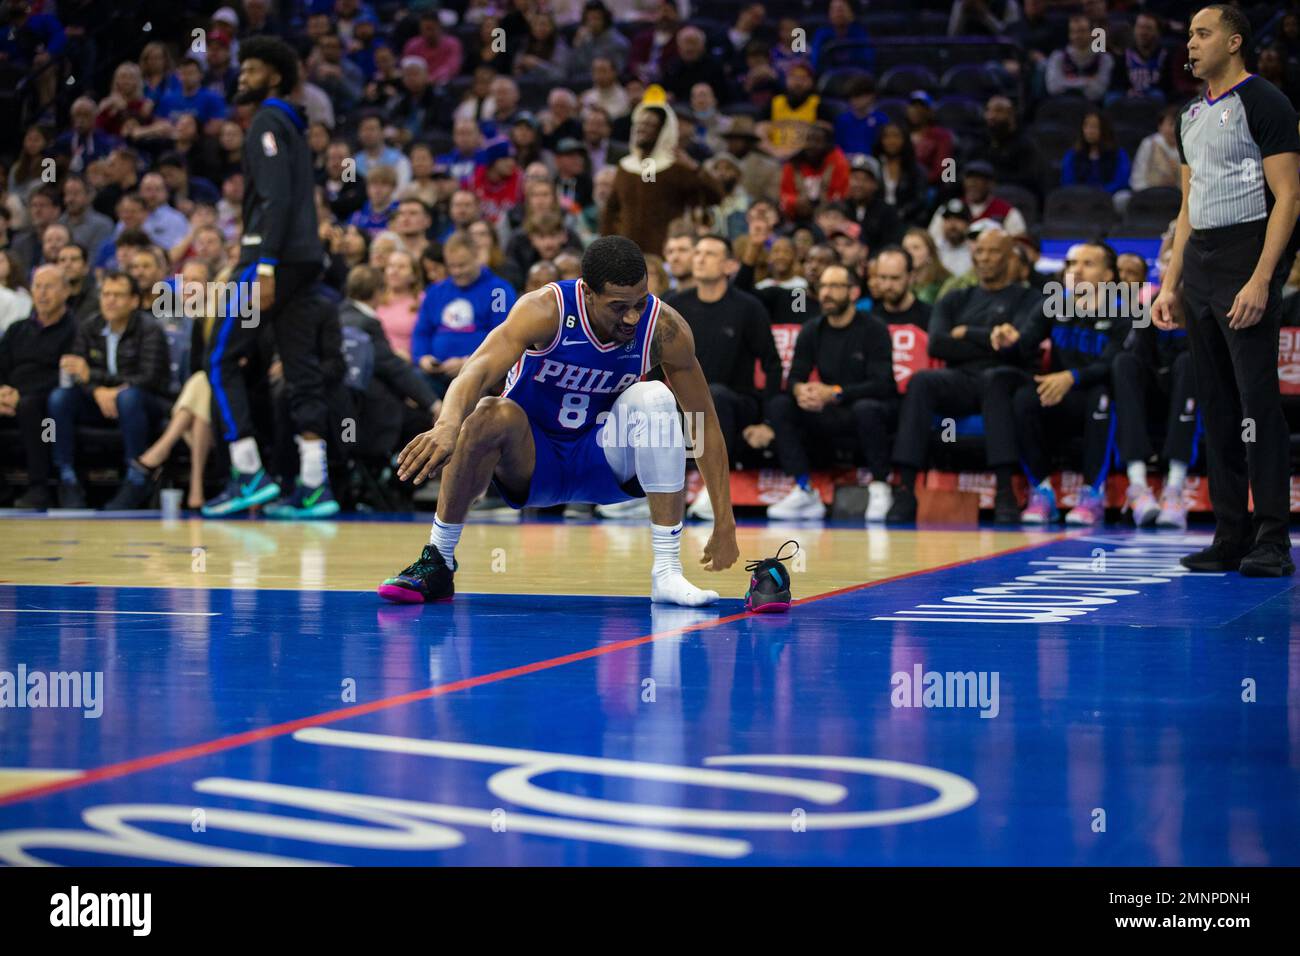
(467, 140)
(156, 74)
(372, 218)
(857, 128)
(30, 41)
(83, 144)
(843, 26)
(1096, 159)
(364, 45)
(458, 313)
(164, 223)
(194, 97)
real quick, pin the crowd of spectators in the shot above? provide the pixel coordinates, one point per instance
(778, 163)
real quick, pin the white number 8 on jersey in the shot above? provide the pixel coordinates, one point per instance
(574, 411)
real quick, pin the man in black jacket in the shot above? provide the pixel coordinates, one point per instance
(855, 395)
(960, 329)
(121, 369)
(280, 257)
(732, 332)
(29, 372)
(399, 402)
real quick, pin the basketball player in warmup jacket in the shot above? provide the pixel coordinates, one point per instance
(576, 422)
(280, 258)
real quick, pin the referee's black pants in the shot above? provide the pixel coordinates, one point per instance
(293, 319)
(1235, 374)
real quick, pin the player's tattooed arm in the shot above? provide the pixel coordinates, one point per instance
(668, 335)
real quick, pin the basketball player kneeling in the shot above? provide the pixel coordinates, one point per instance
(577, 421)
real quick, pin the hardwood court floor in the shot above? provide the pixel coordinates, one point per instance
(607, 559)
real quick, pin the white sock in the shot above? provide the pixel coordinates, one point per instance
(311, 462)
(444, 537)
(667, 583)
(1137, 473)
(1177, 473)
(244, 455)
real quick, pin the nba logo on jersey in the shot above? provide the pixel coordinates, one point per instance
(1223, 117)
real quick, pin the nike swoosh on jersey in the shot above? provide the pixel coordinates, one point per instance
(574, 342)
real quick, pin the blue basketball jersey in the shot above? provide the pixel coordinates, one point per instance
(565, 386)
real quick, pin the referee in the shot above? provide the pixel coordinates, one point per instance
(1240, 153)
(280, 258)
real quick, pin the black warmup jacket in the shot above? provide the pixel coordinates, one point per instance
(279, 201)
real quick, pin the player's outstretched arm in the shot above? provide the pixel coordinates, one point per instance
(673, 349)
(531, 324)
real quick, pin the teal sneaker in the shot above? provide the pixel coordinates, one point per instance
(243, 491)
(305, 503)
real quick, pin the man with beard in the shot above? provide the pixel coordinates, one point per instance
(280, 258)
(855, 395)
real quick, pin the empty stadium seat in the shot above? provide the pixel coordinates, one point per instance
(973, 79)
(1082, 211)
(902, 80)
(1021, 198)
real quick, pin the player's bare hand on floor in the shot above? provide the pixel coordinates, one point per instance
(722, 551)
(426, 453)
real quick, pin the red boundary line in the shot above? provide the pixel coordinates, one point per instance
(176, 755)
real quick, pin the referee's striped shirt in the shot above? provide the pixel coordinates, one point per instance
(1224, 140)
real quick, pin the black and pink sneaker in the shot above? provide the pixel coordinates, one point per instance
(769, 583)
(428, 579)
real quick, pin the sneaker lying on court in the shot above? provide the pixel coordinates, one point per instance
(304, 504)
(242, 492)
(1173, 510)
(769, 583)
(632, 508)
(798, 503)
(1042, 506)
(1090, 510)
(428, 579)
(1141, 503)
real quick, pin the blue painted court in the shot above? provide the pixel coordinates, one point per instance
(1080, 701)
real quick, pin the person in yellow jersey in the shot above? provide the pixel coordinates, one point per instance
(793, 112)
